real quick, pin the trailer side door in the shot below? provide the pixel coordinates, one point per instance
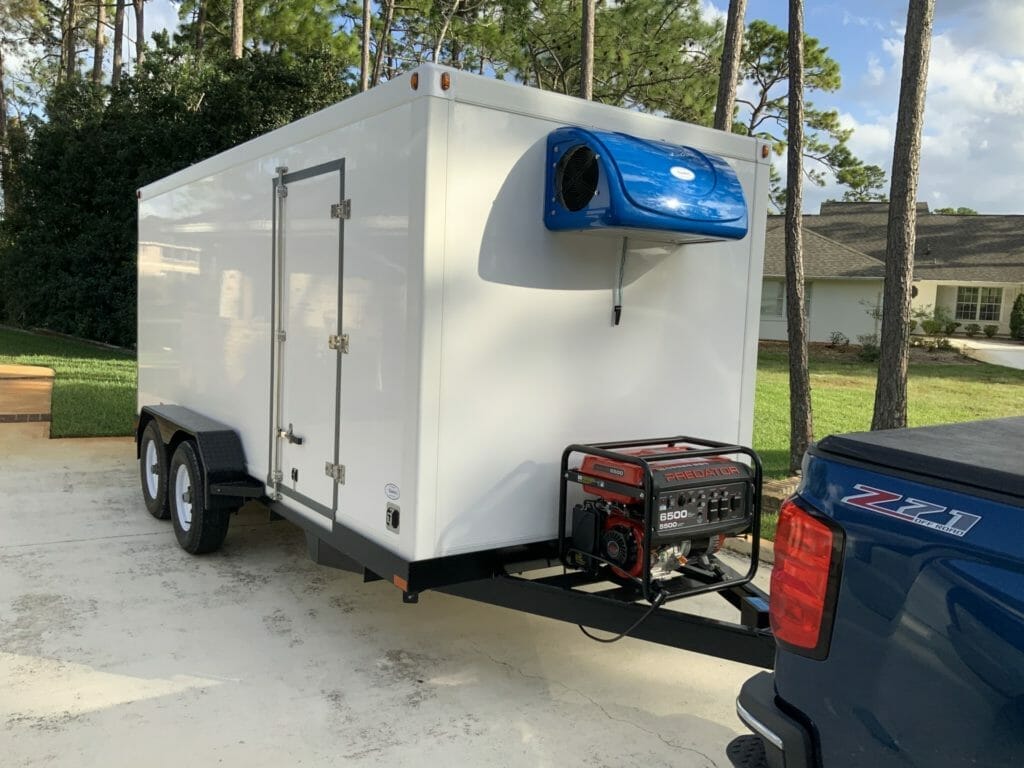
(308, 346)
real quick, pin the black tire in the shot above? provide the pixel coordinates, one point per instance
(198, 529)
(156, 502)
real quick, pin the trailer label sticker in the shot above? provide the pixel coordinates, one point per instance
(926, 513)
(392, 491)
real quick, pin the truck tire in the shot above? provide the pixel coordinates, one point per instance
(198, 529)
(153, 471)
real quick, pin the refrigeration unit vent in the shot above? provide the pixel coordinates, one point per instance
(624, 185)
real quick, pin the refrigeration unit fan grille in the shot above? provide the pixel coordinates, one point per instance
(577, 177)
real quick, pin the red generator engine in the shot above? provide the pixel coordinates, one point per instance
(657, 510)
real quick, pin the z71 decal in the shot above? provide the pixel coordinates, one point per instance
(939, 518)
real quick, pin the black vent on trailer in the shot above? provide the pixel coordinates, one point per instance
(577, 177)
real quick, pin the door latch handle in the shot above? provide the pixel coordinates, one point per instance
(290, 436)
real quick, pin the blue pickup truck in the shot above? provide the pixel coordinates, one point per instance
(897, 603)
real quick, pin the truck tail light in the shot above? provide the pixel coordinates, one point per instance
(805, 581)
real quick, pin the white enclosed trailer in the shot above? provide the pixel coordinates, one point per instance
(364, 318)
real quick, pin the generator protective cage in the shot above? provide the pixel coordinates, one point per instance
(652, 190)
(695, 581)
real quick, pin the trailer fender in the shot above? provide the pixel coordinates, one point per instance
(222, 458)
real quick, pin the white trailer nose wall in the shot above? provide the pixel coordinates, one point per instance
(481, 344)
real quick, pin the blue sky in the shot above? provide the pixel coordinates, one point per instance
(973, 142)
(973, 145)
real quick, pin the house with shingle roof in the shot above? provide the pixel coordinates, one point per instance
(972, 266)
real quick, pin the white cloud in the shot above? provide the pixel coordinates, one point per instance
(850, 19)
(876, 72)
(993, 25)
(711, 12)
(972, 147)
(161, 14)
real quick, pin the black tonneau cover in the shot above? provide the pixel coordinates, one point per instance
(988, 455)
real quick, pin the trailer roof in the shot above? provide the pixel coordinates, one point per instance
(466, 88)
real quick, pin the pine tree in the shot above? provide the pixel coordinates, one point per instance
(725, 105)
(801, 429)
(891, 392)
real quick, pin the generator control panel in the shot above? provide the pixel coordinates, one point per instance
(698, 497)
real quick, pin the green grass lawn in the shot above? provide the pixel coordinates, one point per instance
(94, 387)
(942, 390)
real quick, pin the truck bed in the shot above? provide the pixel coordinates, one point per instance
(986, 456)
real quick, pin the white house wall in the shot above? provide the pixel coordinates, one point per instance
(936, 293)
(836, 305)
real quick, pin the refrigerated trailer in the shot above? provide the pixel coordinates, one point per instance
(388, 320)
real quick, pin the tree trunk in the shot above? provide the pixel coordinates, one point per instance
(69, 52)
(439, 43)
(364, 67)
(388, 10)
(730, 71)
(801, 430)
(140, 33)
(115, 72)
(587, 50)
(891, 391)
(5, 166)
(200, 26)
(237, 27)
(101, 42)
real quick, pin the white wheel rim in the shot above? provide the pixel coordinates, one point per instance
(152, 469)
(182, 497)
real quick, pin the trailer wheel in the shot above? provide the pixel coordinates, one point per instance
(197, 528)
(153, 471)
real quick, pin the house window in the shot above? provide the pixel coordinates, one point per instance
(773, 299)
(991, 304)
(978, 303)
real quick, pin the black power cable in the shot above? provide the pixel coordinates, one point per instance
(658, 600)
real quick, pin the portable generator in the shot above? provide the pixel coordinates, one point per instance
(655, 512)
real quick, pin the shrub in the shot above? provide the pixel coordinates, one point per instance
(972, 329)
(950, 327)
(943, 344)
(932, 327)
(912, 326)
(1017, 318)
(869, 350)
(991, 330)
(838, 340)
(924, 342)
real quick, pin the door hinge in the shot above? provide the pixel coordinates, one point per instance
(281, 190)
(281, 335)
(342, 210)
(336, 472)
(334, 341)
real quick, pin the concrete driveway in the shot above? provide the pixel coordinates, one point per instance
(995, 352)
(119, 649)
